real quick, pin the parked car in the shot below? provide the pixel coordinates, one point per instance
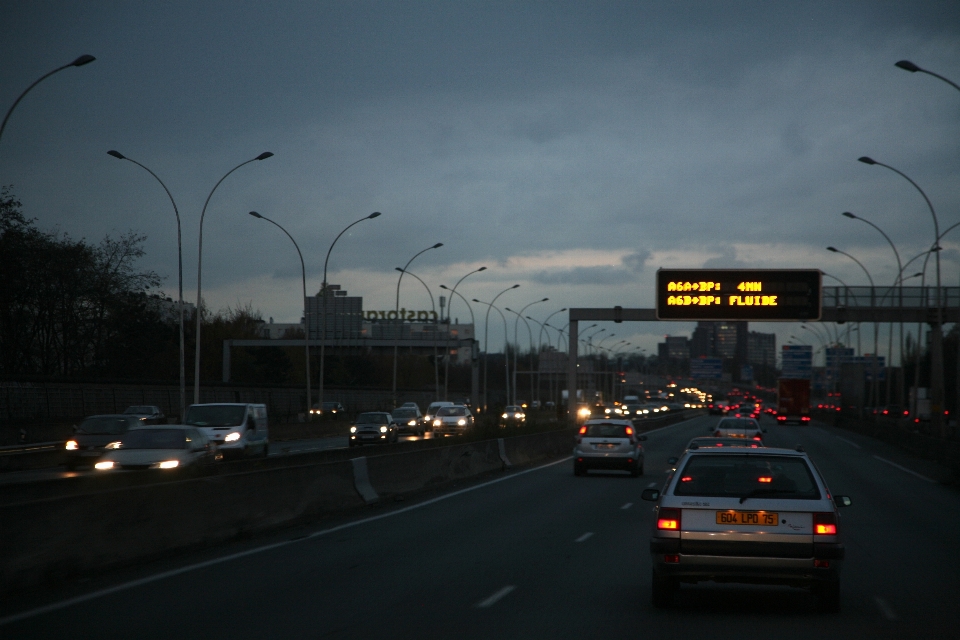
(512, 416)
(238, 429)
(91, 437)
(373, 427)
(148, 413)
(160, 447)
(452, 419)
(409, 420)
(758, 516)
(608, 444)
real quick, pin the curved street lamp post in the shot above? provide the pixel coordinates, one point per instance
(323, 308)
(399, 332)
(474, 357)
(516, 348)
(306, 337)
(196, 361)
(176, 212)
(79, 62)
(433, 307)
(506, 360)
(446, 356)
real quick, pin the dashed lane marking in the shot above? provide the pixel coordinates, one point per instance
(850, 442)
(585, 536)
(651, 485)
(627, 506)
(885, 608)
(911, 472)
(492, 600)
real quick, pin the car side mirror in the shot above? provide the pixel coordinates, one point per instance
(650, 495)
(642, 438)
(672, 460)
(842, 501)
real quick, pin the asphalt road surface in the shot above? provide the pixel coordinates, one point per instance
(533, 553)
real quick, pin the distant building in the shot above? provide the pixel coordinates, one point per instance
(674, 348)
(276, 330)
(762, 349)
(343, 313)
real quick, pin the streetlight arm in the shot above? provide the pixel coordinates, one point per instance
(327, 259)
(79, 62)
(906, 65)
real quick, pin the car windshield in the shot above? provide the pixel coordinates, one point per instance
(155, 439)
(739, 476)
(139, 410)
(607, 430)
(404, 414)
(513, 409)
(370, 418)
(215, 415)
(331, 405)
(105, 425)
(452, 411)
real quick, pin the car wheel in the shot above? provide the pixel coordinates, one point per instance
(663, 591)
(829, 596)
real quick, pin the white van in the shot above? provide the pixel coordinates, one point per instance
(431, 411)
(239, 429)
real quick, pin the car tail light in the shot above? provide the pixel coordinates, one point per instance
(805, 418)
(782, 418)
(825, 524)
(669, 520)
(757, 438)
(672, 558)
(766, 479)
(821, 564)
(629, 431)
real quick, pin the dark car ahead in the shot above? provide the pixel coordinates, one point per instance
(148, 413)
(409, 420)
(92, 436)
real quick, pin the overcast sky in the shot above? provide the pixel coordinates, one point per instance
(571, 147)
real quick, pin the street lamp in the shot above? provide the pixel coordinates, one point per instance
(873, 384)
(303, 273)
(323, 305)
(936, 345)
(183, 377)
(436, 366)
(486, 335)
(446, 356)
(196, 361)
(79, 62)
(506, 361)
(517, 343)
(396, 341)
(906, 65)
(897, 281)
(474, 382)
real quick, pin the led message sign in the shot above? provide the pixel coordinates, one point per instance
(738, 294)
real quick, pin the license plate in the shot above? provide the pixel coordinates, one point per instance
(605, 445)
(764, 518)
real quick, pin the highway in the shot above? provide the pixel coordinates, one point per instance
(533, 553)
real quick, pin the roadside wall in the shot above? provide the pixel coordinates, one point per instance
(63, 536)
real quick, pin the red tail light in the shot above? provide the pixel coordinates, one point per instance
(825, 524)
(669, 519)
(765, 479)
(629, 431)
(583, 430)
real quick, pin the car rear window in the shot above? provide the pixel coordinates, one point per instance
(607, 430)
(403, 414)
(106, 425)
(747, 475)
(371, 418)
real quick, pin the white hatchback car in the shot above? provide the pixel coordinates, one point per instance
(738, 428)
(608, 444)
(159, 447)
(760, 516)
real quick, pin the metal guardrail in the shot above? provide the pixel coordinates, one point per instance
(33, 447)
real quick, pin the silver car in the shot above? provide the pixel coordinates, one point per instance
(159, 447)
(738, 428)
(452, 419)
(608, 444)
(760, 516)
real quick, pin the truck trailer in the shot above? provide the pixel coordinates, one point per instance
(793, 400)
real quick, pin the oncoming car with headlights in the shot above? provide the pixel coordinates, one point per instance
(759, 516)
(90, 439)
(611, 444)
(408, 420)
(453, 419)
(158, 447)
(373, 427)
(512, 416)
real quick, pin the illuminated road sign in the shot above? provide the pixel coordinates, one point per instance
(738, 294)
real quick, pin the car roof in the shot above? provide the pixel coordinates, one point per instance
(744, 451)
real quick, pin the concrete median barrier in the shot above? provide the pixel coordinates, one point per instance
(64, 536)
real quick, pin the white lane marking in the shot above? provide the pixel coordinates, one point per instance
(56, 606)
(849, 442)
(885, 609)
(492, 600)
(651, 485)
(911, 472)
(627, 506)
(585, 536)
